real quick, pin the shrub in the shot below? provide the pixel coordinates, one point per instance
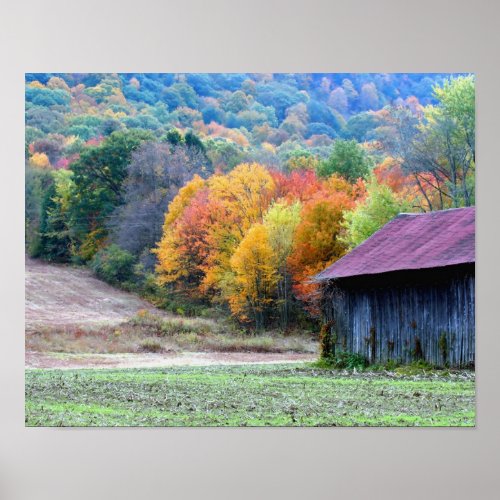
(222, 343)
(153, 324)
(147, 323)
(260, 344)
(150, 345)
(114, 265)
(188, 339)
(344, 361)
(391, 365)
(183, 307)
(415, 368)
(149, 284)
(350, 360)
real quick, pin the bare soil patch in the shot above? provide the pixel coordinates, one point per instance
(150, 360)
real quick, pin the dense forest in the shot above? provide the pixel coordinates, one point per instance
(231, 191)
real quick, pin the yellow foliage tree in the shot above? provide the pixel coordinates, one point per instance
(36, 84)
(181, 201)
(40, 160)
(281, 221)
(255, 276)
(246, 192)
(242, 197)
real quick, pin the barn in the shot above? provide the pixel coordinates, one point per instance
(407, 292)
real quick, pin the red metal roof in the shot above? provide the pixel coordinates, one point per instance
(412, 241)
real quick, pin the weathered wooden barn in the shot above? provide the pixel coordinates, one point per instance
(407, 292)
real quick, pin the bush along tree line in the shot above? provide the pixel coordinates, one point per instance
(231, 191)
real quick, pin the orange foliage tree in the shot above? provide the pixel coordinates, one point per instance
(416, 191)
(299, 185)
(177, 251)
(317, 240)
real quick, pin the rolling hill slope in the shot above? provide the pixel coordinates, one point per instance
(59, 295)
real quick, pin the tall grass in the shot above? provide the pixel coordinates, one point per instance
(148, 332)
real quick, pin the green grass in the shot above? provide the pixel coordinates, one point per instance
(252, 395)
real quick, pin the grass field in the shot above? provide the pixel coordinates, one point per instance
(251, 395)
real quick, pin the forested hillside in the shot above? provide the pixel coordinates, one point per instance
(232, 190)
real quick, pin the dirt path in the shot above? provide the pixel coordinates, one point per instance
(59, 295)
(71, 361)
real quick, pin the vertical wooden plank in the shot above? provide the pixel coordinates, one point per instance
(403, 313)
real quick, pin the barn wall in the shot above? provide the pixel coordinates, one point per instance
(434, 321)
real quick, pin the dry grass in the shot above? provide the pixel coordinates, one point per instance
(70, 311)
(148, 332)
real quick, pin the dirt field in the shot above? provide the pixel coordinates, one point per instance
(58, 295)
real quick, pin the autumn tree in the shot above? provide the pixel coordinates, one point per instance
(317, 242)
(281, 222)
(438, 150)
(225, 154)
(242, 196)
(54, 242)
(40, 161)
(182, 249)
(51, 146)
(369, 96)
(36, 182)
(350, 92)
(338, 100)
(451, 135)
(298, 185)
(391, 173)
(255, 276)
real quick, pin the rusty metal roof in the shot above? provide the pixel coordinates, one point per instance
(409, 242)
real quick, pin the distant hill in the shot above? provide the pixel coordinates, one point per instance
(261, 117)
